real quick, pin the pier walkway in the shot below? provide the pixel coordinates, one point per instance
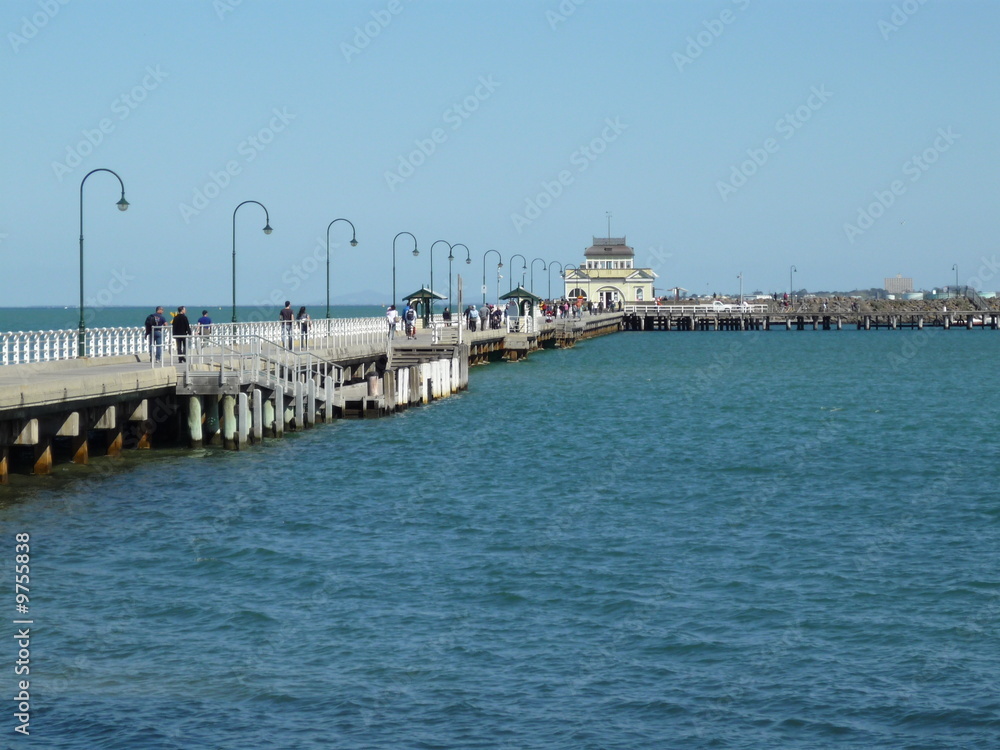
(237, 384)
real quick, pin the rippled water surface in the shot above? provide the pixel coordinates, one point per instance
(717, 540)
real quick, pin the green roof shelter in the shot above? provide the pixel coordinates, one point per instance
(526, 301)
(424, 299)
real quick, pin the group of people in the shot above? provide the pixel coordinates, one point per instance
(183, 331)
(288, 320)
(485, 317)
(180, 327)
(409, 319)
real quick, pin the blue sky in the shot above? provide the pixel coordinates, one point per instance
(855, 140)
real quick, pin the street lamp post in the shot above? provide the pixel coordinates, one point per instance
(354, 243)
(791, 270)
(122, 206)
(499, 266)
(267, 230)
(955, 269)
(550, 264)
(524, 266)
(533, 260)
(416, 252)
(451, 257)
(450, 248)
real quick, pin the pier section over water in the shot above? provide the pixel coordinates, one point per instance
(239, 383)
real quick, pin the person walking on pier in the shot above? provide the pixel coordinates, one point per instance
(391, 316)
(181, 328)
(286, 316)
(204, 329)
(473, 316)
(410, 320)
(303, 318)
(154, 332)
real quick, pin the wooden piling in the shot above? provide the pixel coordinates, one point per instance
(242, 419)
(228, 422)
(258, 415)
(271, 420)
(194, 422)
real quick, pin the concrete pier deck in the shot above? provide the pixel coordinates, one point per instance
(236, 389)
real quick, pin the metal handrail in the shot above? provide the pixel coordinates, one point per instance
(257, 360)
(27, 347)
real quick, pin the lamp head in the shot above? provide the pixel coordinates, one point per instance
(354, 242)
(267, 229)
(122, 204)
(468, 260)
(499, 266)
(450, 256)
(416, 252)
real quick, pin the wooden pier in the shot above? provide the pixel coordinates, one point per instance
(240, 385)
(759, 318)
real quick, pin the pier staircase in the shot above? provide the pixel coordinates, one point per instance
(228, 365)
(975, 298)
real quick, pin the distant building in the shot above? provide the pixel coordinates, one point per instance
(609, 275)
(898, 285)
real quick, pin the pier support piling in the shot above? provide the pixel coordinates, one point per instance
(242, 420)
(228, 422)
(74, 428)
(258, 415)
(271, 421)
(80, 449)
(194, 422)
(43, 457)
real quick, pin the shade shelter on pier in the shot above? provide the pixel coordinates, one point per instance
(423, 299)
(526, 301)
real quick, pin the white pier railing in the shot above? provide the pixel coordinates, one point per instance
(28, 347)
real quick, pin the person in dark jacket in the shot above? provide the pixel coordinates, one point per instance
(181, 328)
(154, 332)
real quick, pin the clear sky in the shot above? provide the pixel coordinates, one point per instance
(853, 139)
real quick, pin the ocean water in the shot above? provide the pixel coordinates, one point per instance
(659, 540)
(64, 318)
